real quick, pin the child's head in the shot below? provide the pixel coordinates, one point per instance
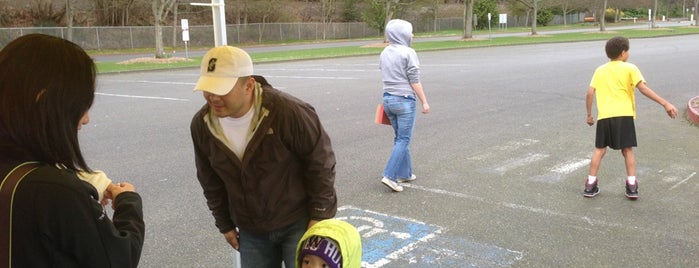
(320, 252)
(616, 46)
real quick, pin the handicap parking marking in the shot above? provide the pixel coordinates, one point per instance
(387, 238)
(443, 251)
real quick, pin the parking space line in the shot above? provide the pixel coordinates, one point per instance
(683, 181)
(536, 210)
(519, 162)
(569, 167)
(140, 97)
(509, 146)
(147, 82)
(548, 212)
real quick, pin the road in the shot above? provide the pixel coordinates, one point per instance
(344, 43)
(501, 159)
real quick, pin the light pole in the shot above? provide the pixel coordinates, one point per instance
(218, 11)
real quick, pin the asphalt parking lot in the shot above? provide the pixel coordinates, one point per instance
(500, 159)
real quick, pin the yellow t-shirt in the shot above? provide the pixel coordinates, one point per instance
(614, 84)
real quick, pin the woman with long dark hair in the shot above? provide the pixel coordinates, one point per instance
(47, 86)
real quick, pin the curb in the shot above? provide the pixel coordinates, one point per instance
(693, 110)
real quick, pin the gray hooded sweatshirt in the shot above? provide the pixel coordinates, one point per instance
(399, 64)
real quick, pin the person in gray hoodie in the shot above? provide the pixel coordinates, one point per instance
(400, 70)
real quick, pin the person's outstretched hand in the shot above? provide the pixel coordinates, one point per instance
(670, 110)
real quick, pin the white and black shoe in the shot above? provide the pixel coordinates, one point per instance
(412, 178)
(392, 184)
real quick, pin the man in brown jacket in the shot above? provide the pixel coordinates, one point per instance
(263, 159)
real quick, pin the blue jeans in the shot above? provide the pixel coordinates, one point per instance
(269, 250)
(401, 112)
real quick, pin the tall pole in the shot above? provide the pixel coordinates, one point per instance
(219, 14)
(174, 26)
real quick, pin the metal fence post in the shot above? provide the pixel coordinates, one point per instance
(97, 32)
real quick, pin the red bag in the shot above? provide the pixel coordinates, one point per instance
(381, 117)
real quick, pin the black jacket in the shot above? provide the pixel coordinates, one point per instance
(57, 222)
(287, 172)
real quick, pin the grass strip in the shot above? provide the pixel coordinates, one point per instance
(457, 43)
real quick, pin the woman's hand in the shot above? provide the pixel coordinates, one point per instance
(115, 189)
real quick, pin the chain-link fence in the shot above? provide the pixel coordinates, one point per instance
(129, 37)
(98, 38)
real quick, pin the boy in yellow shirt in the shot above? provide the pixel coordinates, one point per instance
(613, 86)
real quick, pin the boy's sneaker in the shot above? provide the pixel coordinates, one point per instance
(632, 191)
(412, 178)
(392, 184)
(591, 189)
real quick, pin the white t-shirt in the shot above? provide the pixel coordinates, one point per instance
(236, 131)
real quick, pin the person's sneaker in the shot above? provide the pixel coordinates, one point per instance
(392, 184)
(591, 189)
(632, 191)
(412, 178)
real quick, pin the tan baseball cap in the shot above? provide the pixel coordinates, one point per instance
(221, 67)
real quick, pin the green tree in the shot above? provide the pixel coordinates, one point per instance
(350, 11)
(375, 15)
(481, 10)
(380, 12)
(544, 16)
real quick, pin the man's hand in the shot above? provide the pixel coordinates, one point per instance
(311, 223)
(232, 239)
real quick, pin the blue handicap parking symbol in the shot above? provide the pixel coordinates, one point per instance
(384, 236)
(400, 241)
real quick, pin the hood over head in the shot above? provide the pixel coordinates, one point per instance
(399, 32)
(344, 234)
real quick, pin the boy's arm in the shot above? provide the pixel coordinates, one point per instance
(588, 104)
(417, 87)
(669, 108)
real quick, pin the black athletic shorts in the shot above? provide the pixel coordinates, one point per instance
(616, 133)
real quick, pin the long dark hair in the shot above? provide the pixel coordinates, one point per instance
(47, 84)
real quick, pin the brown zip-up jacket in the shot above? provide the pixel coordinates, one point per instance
(287, 172)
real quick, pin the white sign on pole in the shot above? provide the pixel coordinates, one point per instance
(185, 24)
(502, 19)
(185, 30)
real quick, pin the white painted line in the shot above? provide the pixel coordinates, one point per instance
(569, 167)
(267, 70)
(147, 82)
(314, 77)
(683, 181)
(514, 206)
(510, 146)
(140, 97)
(520, 162)
(396, 254)
(548, 212)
